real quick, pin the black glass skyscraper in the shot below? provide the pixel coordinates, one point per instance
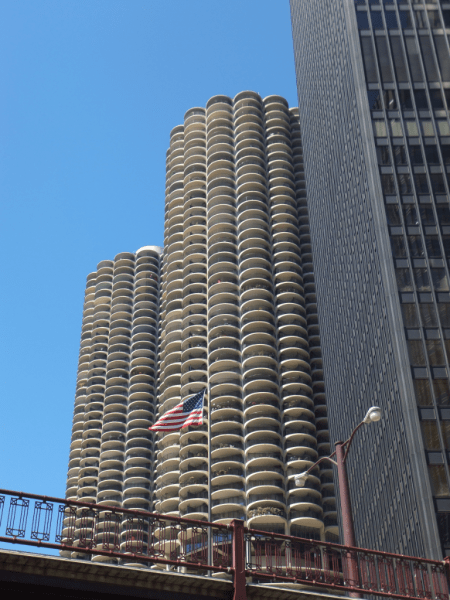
(374, 91)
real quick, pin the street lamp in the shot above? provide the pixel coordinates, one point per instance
(373, 415)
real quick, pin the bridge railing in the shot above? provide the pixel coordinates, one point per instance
(131, 536)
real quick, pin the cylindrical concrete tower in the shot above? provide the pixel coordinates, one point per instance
(111, 452)
(238, 314)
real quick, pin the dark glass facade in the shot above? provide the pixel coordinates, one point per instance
(373, 82)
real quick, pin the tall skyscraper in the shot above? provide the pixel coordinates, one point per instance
(111, 451)
(236, 313)
(374, 89)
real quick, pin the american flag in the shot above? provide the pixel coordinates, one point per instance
(188, 412)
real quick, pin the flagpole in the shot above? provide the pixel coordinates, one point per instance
(209, 452)
(210, 537)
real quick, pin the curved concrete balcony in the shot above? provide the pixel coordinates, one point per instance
(221, 212)
(253, 218)
(292, 328)
(193, 435)
(218, 102)
(267, 518)
(253, 179)
(193, 451)
(223, 285)
(308, 517)
(224, 361)
(257, 500)
(226, 303)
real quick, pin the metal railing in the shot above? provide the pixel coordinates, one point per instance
(75, 528)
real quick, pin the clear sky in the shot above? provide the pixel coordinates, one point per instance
(90, 90)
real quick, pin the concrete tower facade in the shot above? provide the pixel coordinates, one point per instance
(111, 452)
(238, 314)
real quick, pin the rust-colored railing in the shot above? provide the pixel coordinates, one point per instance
(77, 528)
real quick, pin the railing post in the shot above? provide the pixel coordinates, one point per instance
(447, 569)
(239, 560)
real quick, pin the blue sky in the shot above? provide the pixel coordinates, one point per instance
(90, 91)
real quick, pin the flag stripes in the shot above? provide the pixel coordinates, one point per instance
(188, 412)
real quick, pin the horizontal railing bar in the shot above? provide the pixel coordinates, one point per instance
(110, 553)
(334, 586)
(130, 511)
(341, 547)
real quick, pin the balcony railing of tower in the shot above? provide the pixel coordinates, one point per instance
(79, 528)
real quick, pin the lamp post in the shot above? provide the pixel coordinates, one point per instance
(342, 448)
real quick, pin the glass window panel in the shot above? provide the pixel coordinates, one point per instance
(379, 128)
(398, 246)
(393, 216)
(416, 353)
(410, 215)
(400, 155)
(421, 99)
(387, 182)
(443, 213)
(415, 155)
(384, 60)
(427, 215)
(430, 435)
(433, 247)
(405, 19)
(438, 481)
(405, 96)
(440, 281)
(377, 21)
(414, 59)
(443, 127)
(420, 18)
(375, 100)
(396, 128)
(410, 317)
(444, 314)
(363, 21)
(383, 155)
(441, 391)
(369, 60)
(445, 154)
(446, 244)
(443, 56)
(422, 280)
(421, 182)
(374, 1)
(447, 348)
(411, 128)
(428, 315)
(390, 100)
(437, 183)
(433, 17)
(404, 281)
(436, 99)
(446, 16)
(445, 428)
(428, 58)
(415, 246)
(431, 154)
(404, 183)
(435, 353)
(427, 128)
(398, 57)
(391, 20)
(423, 392)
